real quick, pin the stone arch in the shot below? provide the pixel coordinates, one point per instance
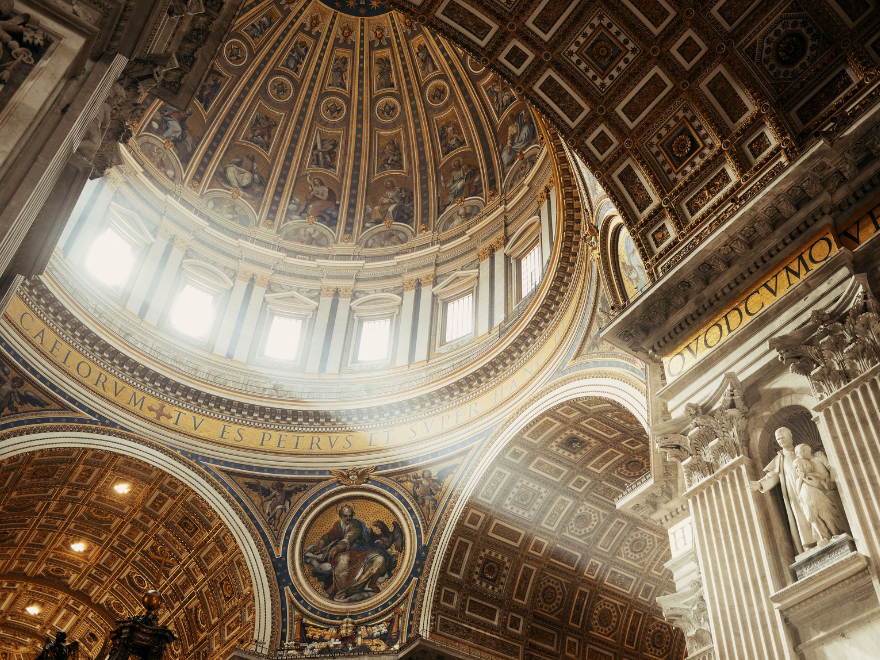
(153, 456)
(604, 387)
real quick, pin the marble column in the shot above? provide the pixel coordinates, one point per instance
(340, 330)
(319, 330)
(686, 607)
(732, 535)
(484, 291)
(732, 539)
(251, 316)
(404, 334)
(499, 304)
(232, 312)
(148, 270)
(166, 280)
(423, 333)
(851, 428)
(90, 192)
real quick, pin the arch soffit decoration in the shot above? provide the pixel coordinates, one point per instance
(608, 259)
(603, 387)
(265, 598)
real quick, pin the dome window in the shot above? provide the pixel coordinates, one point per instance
(283, 341)
(110, 259)
(113, 255)
(193, 312)
(460, 317)
(530, 270)
(374, 340)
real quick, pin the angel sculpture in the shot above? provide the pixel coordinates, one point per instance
(58, 650)
(353, 476)
(275, 498)
(12, 395)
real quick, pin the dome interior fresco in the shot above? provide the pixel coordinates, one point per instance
(159, 534)
(328, 129)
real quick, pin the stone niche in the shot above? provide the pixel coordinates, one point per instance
(812, 598)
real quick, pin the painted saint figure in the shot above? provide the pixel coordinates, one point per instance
(262, 131)
(325, 151)
(320, 203)
(349, 561)
(384, 74)
(339, 73)
(520, 135)
(242, 172)
(463, 182)
(174, 123)
(391, 156)
(209, 90)
(296, 56)
(395, 205)
(258, 28)
(426, 62)
(451, 138)
(12, 394)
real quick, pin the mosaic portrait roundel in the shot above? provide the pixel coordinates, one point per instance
(354, 548)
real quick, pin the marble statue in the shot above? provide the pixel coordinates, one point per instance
(805, 488)
(815, 491)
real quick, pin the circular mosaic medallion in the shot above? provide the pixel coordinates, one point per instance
(352, 551)
(437, 93)
(333, 108)
(387, 109)
(235, 52)
(280, 89)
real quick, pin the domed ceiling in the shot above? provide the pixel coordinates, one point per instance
(346, 125)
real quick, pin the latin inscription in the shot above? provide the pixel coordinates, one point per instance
(815, 252)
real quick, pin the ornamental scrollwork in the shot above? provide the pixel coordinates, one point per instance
(839, 349)
(710, 441)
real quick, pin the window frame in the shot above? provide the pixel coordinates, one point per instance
(208, 278)
(453, 288)
(373, 307)
(129, 227)
(287, 304)
(524, 240)
(303, 332)
(535, 245)
(182, 284)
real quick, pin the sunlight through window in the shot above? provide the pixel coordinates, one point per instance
(460, 317)
(374, 340)
(531, 270)
(283, 340)
(110, 259)
(193, 311)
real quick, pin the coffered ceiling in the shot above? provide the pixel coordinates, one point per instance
(542, 565)
(83, 554)
(685, 111)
